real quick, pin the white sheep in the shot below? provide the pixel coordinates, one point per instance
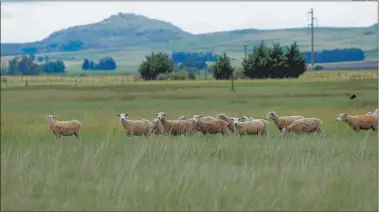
(157, 127)
(250, 127)
(229, 120)
(359, 122)
(63, 128)
(176, 127)
(282, 121)
(135, 127)
(304, 125)
(211, 127)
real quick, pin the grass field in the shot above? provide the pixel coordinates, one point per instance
(108, 171)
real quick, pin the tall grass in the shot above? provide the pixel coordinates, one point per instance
(108, 171)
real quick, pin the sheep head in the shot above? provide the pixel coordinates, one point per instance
(51, 117)
(236, 121)
(161, 116)
(245, 118)
(271, 115)
(196, 118)
(154, 122)
(182, 118)
(342, 117)
(123, 116)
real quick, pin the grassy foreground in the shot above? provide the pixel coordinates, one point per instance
(108, 171)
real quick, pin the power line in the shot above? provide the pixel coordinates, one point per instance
(312, 37)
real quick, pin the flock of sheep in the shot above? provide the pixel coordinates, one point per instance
(221, 124)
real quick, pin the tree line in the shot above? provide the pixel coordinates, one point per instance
(26, 65)
(336, 55)
(262, 62)
(182, 57)
(106, 63)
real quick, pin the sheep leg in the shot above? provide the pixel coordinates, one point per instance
(321, 132)
(77, 135)
(374, 128)
(224, 132)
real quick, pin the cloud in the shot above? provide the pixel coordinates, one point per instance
(25, 22)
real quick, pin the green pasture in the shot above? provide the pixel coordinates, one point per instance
(108, 171)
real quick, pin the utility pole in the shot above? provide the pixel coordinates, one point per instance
(312, 37)
(232, 88)
(245, 49)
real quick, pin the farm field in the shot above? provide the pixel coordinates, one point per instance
(108, 171)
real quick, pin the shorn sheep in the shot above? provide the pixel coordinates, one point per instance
(229, 120)
(360, 122)
(157, 127)
(63, 128)
(211, 127)
(135, 127)
(176, 127)
(283, 121)
(250, 127)
(304, 125)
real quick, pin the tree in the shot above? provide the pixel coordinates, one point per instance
(27, 67)
(12, 66)
(257, 64)
(4, 68)
(295, 62)
(277, 62)
(53, 67)
(222, 69)
(91, 65)
(155, 64)
(40, 59)
(106, 63)
(85, 65)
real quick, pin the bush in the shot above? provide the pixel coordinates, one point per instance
(318, 67)
(191, 76)
(180, 75)
(163, 77)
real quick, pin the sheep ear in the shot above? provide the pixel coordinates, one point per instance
(118, 114)
(126, 114)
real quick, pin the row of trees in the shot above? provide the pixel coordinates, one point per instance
(106, 63)
(182, 57)
(263, 62)
(336, 55)
(26, 66)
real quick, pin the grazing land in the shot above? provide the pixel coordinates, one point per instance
(108, 171)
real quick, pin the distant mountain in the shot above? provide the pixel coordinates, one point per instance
(130, 30)
(365, 38)
(123, 29)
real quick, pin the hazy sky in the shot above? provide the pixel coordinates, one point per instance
(25, 22)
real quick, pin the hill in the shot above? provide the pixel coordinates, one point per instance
(125, 32)
(121, 30)
(365, 38)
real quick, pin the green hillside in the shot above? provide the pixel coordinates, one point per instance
(124, 31)
(325, 38)
(121, 30)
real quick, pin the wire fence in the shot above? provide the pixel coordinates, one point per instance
(80, 81)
